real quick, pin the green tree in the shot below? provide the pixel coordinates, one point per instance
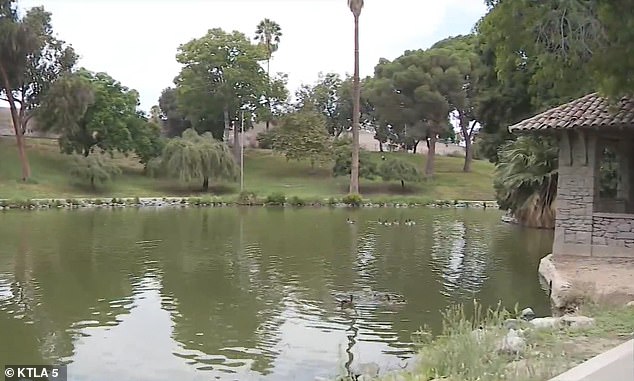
(330, 96)
(268, 33)
(463, 99)
(302, 136)
(276, 100)
(526, 180)
(93, 169)
(31, 59)
(342, 150)
(412, 94)
(175, 120)
(91, 110)
(146, 138)
(221, 75)
(400, 170)
(194, 156)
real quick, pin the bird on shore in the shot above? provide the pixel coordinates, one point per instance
(350, 221)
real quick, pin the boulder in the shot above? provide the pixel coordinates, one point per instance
(513, 323)
(527, 314)
(512, 343)
(630, 304)
(577, 321)
(546, 322)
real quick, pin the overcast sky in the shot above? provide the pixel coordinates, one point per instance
(135, 41)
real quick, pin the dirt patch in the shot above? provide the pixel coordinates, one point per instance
(605, 280)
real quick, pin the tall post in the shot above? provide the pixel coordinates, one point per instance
(242, 152)
(355, 7)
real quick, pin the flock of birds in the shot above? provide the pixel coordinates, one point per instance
(386, 298)
(407, 222)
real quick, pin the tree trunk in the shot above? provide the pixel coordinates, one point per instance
(17, 126)
(381, 147)
(431, 155)
(92, 182)
(415, 146)
(236, 143)
(402, 184)
(466, 134)
(354, 170)
(205, 184)
(268, 100)
(227, 125)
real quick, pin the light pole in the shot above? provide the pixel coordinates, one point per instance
(242, 152)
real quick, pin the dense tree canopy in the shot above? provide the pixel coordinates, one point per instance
(302, 136)
(94, 111)
(221, 76)
(31, 59)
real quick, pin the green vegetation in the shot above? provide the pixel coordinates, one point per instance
(460, 354)
(266, 172)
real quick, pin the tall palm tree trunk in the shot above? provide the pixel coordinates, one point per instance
(354, 170)
(268, 99)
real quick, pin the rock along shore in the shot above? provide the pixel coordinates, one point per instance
(182, 202)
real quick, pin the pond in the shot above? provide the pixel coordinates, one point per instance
(247, 294)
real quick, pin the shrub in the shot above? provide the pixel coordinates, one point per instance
(353, 200)
(247, 198)
(332, 201)
(343, 161)
(276, 198)
(296, 201)
(401, 170)
(265, 139)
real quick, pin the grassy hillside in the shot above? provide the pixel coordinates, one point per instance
(265, 172)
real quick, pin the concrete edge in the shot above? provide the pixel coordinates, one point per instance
(612, 365)
(559, 287)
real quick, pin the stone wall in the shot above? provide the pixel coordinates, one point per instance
(576, 190)
(613, 235)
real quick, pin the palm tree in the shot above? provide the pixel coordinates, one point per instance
(268, 33)
(526, 180)
(355, 6)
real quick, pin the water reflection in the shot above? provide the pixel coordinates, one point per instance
(247, 294)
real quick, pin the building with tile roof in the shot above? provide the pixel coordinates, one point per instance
(589, 223)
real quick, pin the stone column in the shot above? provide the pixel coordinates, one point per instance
(626, 170)
(576, 189)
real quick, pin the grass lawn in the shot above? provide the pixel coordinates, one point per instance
(265, 172)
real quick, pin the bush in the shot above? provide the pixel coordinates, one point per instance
(332, 201)
(353, 200)
(296, 201)
(276, 198)
(400, 170)
(247, 198)
(343, 161)
(265, 139)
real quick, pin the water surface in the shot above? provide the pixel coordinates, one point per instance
(246, 294)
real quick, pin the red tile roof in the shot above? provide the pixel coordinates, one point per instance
(589, 111)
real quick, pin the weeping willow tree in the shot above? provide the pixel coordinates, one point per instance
(526, 180)
(194, 156)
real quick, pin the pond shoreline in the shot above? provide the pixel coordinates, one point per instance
(183, 202)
